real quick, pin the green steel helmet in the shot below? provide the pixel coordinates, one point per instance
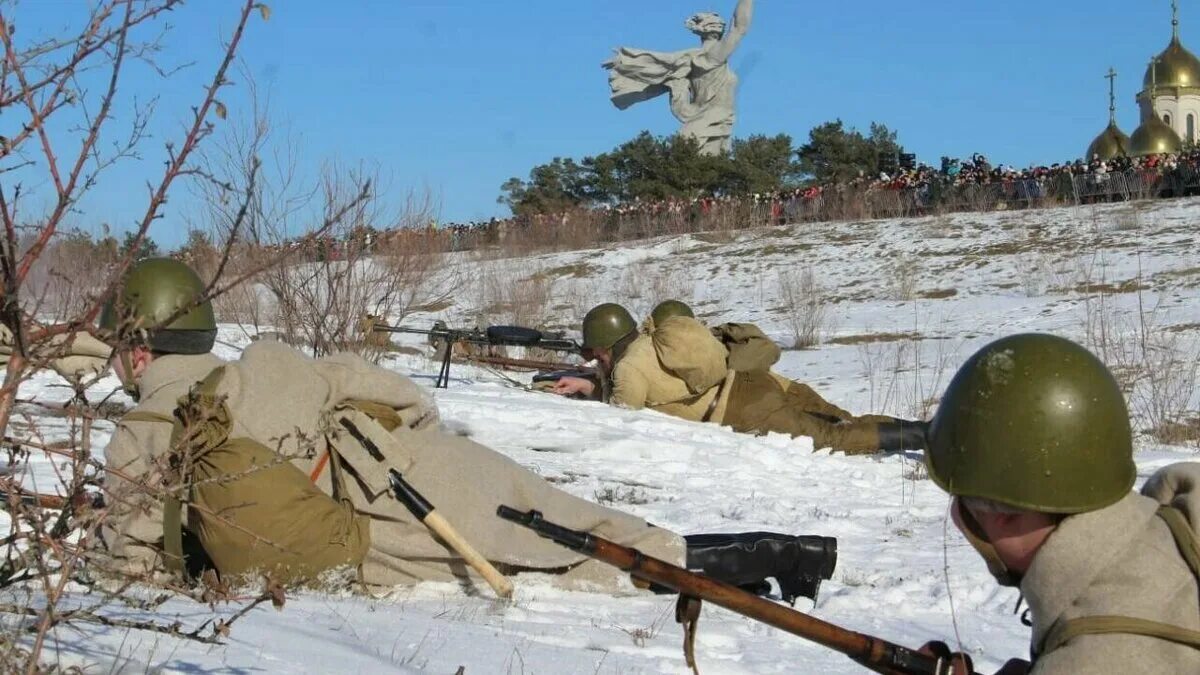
(1034, 422)
(669, 308)
(153, 291)
(605, 325)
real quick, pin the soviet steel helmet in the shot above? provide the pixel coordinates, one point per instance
(1034, 422)
(605, 325)
(670, 308)
(160, 303)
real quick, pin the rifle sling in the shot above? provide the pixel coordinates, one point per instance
(1189, 547)
(687, 613)
(712, 406)
(173, 536)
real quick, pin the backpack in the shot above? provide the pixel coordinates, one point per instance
(687, 349)
(749, 348)
(249, 507)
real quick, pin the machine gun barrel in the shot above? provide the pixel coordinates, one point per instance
(507, 336)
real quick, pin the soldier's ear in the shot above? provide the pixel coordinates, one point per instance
(140, 357)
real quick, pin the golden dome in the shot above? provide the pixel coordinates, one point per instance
(1111, 143)
(1154, 137)
(1176, 67)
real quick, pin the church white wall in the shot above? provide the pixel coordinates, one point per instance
(1177, 109)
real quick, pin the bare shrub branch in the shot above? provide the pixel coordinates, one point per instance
(804, 302)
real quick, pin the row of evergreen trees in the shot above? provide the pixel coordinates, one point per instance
(658, 168)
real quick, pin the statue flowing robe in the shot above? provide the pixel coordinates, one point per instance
(637, 75)
(705, 107)
(699, 81)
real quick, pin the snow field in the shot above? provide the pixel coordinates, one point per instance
(908, 301)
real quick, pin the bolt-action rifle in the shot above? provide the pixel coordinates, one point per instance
(871, 652)
(509, 336)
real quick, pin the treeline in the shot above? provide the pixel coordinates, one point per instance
(75, 266)
(660, 168)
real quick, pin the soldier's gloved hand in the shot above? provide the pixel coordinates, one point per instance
(567, 386)
(1015, 667)
(960, 664)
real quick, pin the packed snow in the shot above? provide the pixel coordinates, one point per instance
(906, 302)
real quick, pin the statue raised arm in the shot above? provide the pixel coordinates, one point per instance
(699, 81)
(721, 49)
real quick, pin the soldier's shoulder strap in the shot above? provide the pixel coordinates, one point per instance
(1065, 631)
(181, 435)
(1189, 547)
(147, 416)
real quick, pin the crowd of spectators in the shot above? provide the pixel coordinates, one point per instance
(955, 185)
(978, 171)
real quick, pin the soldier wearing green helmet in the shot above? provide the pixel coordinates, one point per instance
(160, 309)
(679, 367)
(156, 312)
(277, 438)
(605, 325)
(161, 328)
(1033, 441)
(670, 308)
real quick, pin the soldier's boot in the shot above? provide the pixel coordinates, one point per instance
(797, 563)
(903, 435)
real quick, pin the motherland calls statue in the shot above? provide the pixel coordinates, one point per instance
(700, 81)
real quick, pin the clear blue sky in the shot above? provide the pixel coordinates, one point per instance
(459, 95)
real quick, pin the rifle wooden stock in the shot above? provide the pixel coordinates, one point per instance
(871, 652)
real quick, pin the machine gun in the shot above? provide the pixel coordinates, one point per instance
(868, 651)
(508, 336)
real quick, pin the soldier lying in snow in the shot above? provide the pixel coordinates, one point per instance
(750, 350)
(285, 461)
(680, 368)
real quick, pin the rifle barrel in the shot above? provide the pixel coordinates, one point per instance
(872, 652)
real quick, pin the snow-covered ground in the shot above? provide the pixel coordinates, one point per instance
(907, 301)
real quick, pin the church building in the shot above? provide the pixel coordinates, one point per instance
(1169, 103)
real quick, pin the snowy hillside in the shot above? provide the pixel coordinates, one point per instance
(904, 303)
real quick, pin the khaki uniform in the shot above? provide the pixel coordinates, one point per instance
(640, 380)
(759, 404)
(807, 399)
(1119, 561)
(755, 402)
(285, 400)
